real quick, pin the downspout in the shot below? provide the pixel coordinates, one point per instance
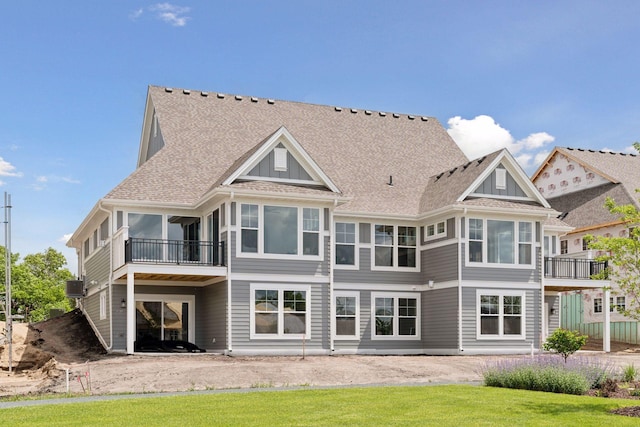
(228, 250)
(459, 227)
(331, 297)
(110, 213)
(545, 315)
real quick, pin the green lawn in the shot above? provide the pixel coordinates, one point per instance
(430, 405)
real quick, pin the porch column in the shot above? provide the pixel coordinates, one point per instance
(606, 328)
(131, 314)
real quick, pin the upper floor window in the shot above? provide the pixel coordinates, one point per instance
(395, 246)
(500, 242)
(564, 246)
(279, 230)
(345, 243)
(436, 230)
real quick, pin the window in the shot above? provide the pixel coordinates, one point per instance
(501, 179)
(505, 242)
(436, 230)
(396, 316)
(104, 229)
(395, 246)
(347, 314)
(281, 230)
(345, 243)
(564, 246)
(280, 311)
(620, 304)
(86, 248)
(145, 226)
(597, 305)
(249, 228)
(585, 244)
(95, 240)
(103, 305)
(500, 314)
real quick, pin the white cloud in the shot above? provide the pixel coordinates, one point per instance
(171, 14)
(630, 150)
(2, 183)
(42, 179)
(65, 238)
(482, 135)
(136, 14)
(7, 169)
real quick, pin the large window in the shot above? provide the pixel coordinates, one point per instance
(396, 316)
(395, 246)
(279, 230)
(280, 311)
(345, 243)
(500, 314)
(500, 242)
(347, 316)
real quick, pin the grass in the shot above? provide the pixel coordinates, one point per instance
(428, 405)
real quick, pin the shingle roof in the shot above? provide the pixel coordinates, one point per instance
(358, 150)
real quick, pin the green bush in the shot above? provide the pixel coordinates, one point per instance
(565, 342)
(550, 379)
(629, 373)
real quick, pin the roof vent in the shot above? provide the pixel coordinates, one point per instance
(563, 215)
(238, 98)
(204, 93)
(382, 114)
(439, 176)
(186, 91)
(221, 95)
(396, 115)
(453, 170)
(168, 89)
(367, 112)
(254, 99)
(271, 101)
(390, 183)
(424, 119)
(466, 166)
(338, 109)
(481, 159)
(410, 117)
(354, 111)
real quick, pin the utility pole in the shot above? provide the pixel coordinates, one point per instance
(7, 279)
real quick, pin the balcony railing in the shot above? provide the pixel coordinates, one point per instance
(573, 268)
(177, 252)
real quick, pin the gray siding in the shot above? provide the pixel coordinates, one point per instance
(365, 232)
(266, 168)
(241, 314)
(366, 275)
(119, 317)
(440, 264)
(97, 267)
(469, 322)
(278, 266)
(440, 319)
(501, 274)
(553, 321)
(211, 315)
(91, 307)
(488, 186)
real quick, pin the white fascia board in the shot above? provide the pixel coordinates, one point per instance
(296, 151)
(370, 215)
(508, 211)
(333, 198)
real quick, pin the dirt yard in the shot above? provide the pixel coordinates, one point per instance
(44, 351)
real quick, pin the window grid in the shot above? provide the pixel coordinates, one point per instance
(345, 243)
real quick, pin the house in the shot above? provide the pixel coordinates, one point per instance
(260, 226)
(577, 182)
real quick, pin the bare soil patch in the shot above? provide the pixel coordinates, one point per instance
(43, 352)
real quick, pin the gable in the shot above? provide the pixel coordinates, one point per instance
(500, 182)
(281, 159)
(563, 175)
(285, 168)
(156, 141)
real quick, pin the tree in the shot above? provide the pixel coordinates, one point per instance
(37, 283)
(565, 342)
(623, 254)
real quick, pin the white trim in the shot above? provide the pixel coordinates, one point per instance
(394, 249)
(501, 179)
(103, 304)
(436, 234)
(348, 294)
(284, 180)
(396, 315)
(286, 278)
(280, 288)
(189, 299)
(440, 243)
(501, 294)
(383, 287)
(485, 244)
(500, 285)
(283, 136)
(356, 247)
(280, 162)
(501, 197)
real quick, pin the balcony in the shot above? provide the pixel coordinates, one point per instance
(174, 252)
(574, 268)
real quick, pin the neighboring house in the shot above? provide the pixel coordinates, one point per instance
(260, 226)
(577, 182)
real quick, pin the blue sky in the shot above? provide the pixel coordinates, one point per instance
(528, 75)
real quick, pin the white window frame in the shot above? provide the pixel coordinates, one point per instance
(516, 244)
(501, 179)
(300, 226)
(501, 315)
(281, 288)
(394, 248)
(436, 233)
(103, 305)
(347, 294)
(189, 299)
(614, 307)
(597, 305)
(396, 296)
(355, 244)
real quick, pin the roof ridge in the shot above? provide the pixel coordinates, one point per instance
(591, 150)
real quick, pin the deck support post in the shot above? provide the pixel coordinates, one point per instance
(606, 328)
(131, 314)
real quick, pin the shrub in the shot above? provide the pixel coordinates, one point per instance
(629, 373)
(565, 342)
(545, 373)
